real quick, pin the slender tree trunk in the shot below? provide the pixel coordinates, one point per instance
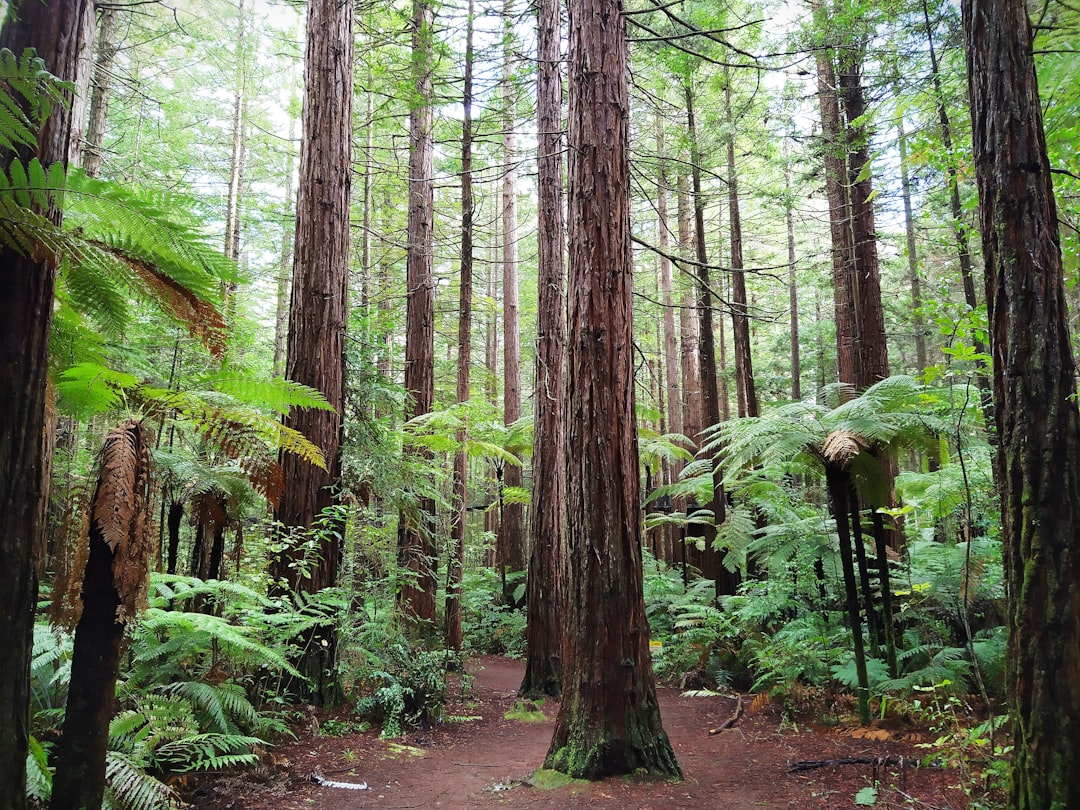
(93, 153)
(288, 228)
(317, 319)
(512, 552)
(793, 291)
(62, 33)
(114, 583)
(917, 320)
(881, 547)
(1035, 392)
(456, 557)
(726, 582)
(416, 542)
(237, 154)
(609, 718)
(543, 651)
(176, 516)
(745, 389)
(863, 570)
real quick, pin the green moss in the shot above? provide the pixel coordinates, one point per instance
(526, 711)
(546, 779)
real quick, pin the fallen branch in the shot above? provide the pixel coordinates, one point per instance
(730, 721)
(811, 764)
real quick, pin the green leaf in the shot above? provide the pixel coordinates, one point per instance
(867, 797)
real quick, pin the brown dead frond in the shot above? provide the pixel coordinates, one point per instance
(203, 320)
(841, 446)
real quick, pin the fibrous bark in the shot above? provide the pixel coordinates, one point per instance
(609, 719)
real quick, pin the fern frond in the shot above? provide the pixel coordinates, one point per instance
(129, 787)
(38, 775)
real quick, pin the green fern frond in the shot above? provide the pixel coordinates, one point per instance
(38, 775)
(276, 394)
(129, 787)
(88, 389)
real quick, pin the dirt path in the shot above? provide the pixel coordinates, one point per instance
(486, 763)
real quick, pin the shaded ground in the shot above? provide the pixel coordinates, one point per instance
(488, 763)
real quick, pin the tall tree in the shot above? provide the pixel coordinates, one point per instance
(93, 152)
(543, 650)
(609, 719)
(1037, 417)
(456, 558)
(917, 320)
(416, 542)
(61, 31)
(318, 314)
(511, 553)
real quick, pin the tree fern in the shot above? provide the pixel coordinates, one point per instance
(130, 787)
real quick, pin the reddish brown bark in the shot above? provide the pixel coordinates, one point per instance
(609, 720)
(1035, 392)
(318, 311)
(62, 33)
(416, 542)
(543, 652)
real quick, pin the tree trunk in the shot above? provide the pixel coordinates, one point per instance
(93, 153)
(416, 542)
(317, 319)
(456, 557)
(609, 718)
(1035, 393)
(238, 152)
(114, 584)
(917, 321)
(62, 33)
(543, 650)
(725, 581)
(793, 290)
(284, 279)
(176, 515)
(745, 389)
(511, 553)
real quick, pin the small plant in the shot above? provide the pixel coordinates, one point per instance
(405, 685)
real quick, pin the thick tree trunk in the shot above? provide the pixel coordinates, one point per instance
(62, 33)
(1035, 393)
(609, 719)
(543, 651)
(511, 553)
(416, 542)
(176, 515)
(318, 316)
(456, 557)
(114, 584)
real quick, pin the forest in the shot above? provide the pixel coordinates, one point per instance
(724, 346)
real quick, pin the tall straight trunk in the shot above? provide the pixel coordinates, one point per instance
(512, 557)
(367, 271)
(113, 584)
(456, 557)
(836, 182)
(416, 541)
(917, 320)
(689, 330)
(667, 287)
(710, 565)
(385, 362)
(863, 569)
(62, 33)
(609, 718)
(740, 319)
(543, 638)
(317, 319)
(793, 291)
(873, 356)
(93, 152)
(237, 154)
(1035, 392)
(284, 278)
(491, 337)
(176, 517)
(721, 354)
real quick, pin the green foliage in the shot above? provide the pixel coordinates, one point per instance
(488, 625)
(402, 684)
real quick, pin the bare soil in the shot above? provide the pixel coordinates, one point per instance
(489, 762)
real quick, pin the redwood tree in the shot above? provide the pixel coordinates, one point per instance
(543, 655)
(61, 31)
(1037, 418)
(609, 719)
(318, 313)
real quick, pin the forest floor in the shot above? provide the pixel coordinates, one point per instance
(485, 760)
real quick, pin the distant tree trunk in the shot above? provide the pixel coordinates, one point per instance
(609, 718)
(238, 153)
(456, 558)
(288, 228)
(793, 291)
(544, 637)
(745, 389)
(176, 515)
(93, 153)
(317, 319)
(62, 33)
(917, 320)
(511, 552)
(416, 542)
(113, 586)
(726, 581)
(1035, 392)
